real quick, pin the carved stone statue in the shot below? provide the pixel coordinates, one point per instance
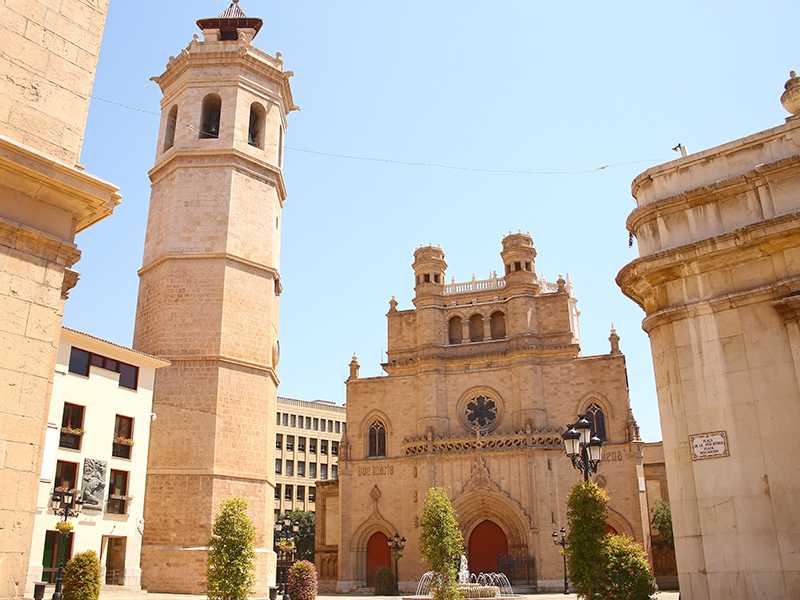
(94, 483)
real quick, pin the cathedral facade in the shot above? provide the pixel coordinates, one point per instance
(482, 378)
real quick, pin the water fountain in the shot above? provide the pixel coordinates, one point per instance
(483, 585)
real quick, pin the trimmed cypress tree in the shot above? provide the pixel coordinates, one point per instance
(441, 543)
(230, 571)
(586, 516)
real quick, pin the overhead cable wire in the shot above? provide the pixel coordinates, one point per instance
(375, 159)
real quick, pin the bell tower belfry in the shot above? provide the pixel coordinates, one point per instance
(208, 297)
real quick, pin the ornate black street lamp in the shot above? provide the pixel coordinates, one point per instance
(284, 541)
(65, 504)
(396, 546)
(563, 543)
(583, 446)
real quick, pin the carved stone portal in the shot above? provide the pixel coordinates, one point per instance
(94, 483)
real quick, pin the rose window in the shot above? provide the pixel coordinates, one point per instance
(481, 412)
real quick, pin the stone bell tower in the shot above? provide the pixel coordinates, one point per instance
(208, 297)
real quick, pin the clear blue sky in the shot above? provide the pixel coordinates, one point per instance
(510, 85)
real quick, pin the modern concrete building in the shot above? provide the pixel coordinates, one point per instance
(307, 450)
(49, 52)
(96, 445)
(718, 276)
(208, 297)
(481, 379)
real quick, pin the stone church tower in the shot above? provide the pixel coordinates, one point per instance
(208, 296)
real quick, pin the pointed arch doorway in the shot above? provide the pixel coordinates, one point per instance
(486, 543)
(378, 555)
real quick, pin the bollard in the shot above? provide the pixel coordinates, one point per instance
(38, 590)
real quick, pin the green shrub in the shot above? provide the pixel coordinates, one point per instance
(586, 516)
(662, 521)
(230, 569)
(303, 581)
(384, 582)
(628, 572)
(441, 543)
(81, 580)
(304, 538)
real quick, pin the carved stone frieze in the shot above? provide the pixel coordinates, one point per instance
(94, 483)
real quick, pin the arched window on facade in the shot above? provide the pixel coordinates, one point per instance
(377, 439)
(209, 123)
(595, 416)
(169, 133)
(454, 330)
(255, 131)
(498, 325)
(476, 328)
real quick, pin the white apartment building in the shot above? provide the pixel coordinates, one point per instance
(307, 450)
(97, 439)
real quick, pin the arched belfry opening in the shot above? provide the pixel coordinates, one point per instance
(169, 132)
(209, 121)
(258, 120)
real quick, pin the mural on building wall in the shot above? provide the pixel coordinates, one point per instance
(94, 483)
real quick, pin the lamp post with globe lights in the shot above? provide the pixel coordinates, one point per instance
(583, 446)
(65, 504)
(284, 540)
(396, 546)
(563, 543)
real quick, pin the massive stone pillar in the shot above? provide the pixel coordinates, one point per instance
(49, 52)
(719, 279)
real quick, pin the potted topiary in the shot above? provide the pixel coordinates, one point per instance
(82, 577)
(384, 582)
(303, 581)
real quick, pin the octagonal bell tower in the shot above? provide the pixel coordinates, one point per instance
(208, 297)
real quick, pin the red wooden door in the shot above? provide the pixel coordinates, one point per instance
(486, 543)
(378, 555)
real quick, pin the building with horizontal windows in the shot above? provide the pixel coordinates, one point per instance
(98, 431)
(306, 451)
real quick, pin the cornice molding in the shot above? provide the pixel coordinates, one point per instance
(271, 271)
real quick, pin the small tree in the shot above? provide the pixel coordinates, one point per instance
(586, 515)
(384, 582)
(441, 543)
(662, 521)
(81, 579)
(304, 538)
(303, 581)
(230, 571)
(628, 573)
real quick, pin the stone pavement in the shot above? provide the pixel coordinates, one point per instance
(106, 594)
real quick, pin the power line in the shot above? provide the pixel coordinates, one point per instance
(374, 159)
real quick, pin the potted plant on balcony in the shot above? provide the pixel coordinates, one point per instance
(123, 440)
(72, 430)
